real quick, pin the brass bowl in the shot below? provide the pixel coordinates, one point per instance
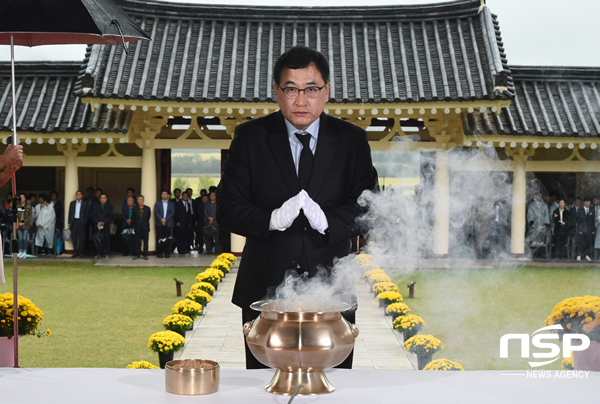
(300, 341)
(194, 381)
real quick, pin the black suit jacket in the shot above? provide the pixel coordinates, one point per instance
(141, 223)
(259, 176)
(181, 216)
(83, 212)
(586, 223)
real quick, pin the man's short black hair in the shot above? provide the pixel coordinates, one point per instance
(131, 189)
(165, 190)
(90, 189)
(100, 189)
(54, 193)
(300, 57)
(587, 199)
(43, 197)
(177, 189)
(212, 188)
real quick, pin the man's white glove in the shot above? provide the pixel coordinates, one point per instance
(314, 214)
(282, 218)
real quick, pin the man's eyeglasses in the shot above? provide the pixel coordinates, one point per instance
(293, 92)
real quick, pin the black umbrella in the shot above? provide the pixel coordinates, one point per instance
(53, 22)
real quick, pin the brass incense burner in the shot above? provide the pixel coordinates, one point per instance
(300, 340)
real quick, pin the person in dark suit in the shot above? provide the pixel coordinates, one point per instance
(199, 222)
(141, 227)
(183, 223)
(164, 211)
(291, 182)
(78, 215)
(586, 230)
(563, 222)
(102, 218)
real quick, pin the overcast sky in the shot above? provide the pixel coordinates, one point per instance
(535, 32)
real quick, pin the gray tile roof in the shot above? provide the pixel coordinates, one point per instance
(407, 53)
(549, 101)
(46, 101)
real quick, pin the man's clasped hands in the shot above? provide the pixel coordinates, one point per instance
(282, 218)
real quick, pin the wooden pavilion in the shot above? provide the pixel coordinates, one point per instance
(438, 71)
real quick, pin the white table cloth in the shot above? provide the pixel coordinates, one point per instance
(108, 386)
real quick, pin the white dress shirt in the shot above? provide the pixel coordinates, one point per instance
(77, 209)
(295, 144)
(165, 208)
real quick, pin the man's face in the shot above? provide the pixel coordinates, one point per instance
(578, 202)
(205, 198)
(538, 197)
(140, 201)
(98, 193)
(177, 194)
(595, 201)
(129, 201)
(103, 199)
(189, 192)
(571, 200)
(185, 196)
(302, 111)
(129, 193)
(213, 196)
(79, 196)
(561, 204)
(587, 204)
(165, 196)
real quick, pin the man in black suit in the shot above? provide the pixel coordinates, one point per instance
(78, 215)
(102, 217)
(562, 226)
(164, 211)
(183, 223)
(199, 222)
(291, 182)
(586, 230)
(141, 226)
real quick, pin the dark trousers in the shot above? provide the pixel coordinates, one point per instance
(104, 249)
(585, 244)
(141, 235)
(183, 239)
(78, 236)
(561, 236)
(253, 363)
(163, 232)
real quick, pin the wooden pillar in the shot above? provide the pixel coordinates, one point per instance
(519, 197)
(149, 186)
(441, 195)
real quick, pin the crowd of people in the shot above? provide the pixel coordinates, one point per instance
(182, 224)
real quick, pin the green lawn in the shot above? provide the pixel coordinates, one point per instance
(469, 310)
(99, 317)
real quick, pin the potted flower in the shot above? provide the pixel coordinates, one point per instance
(444, 365)
(205, 286)
(221, 264)
(396, 310)
(141, 365)
(29, 322)
(188, 308)
(178, 323)
(217, 272)
(373, 271)
(228, 256)
(209, 277)
(199, 296)
(567, 363)
(424, 346)
(409, 325)
(379, 287)
(379, 277)
(385, 298)
(364, 258)
(384, 287)
(165, 343)
(580, 315)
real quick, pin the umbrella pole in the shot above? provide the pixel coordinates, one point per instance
(15, 142)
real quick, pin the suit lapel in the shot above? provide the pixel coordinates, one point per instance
(327, 144)
(280, 148)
